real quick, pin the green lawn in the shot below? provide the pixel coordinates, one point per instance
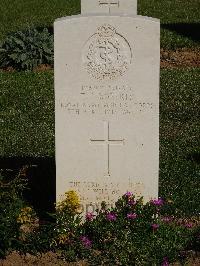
(27, 128)
(20, 14)
(179, 139)
(171, 11)
(26, 114)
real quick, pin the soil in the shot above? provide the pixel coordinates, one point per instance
(46, 259)
(43, 67)
(51, 259)
(180, 58)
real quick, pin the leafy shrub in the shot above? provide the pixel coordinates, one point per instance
(62, 234)
(25, 50)
(66, 231)
(11, 204)
(131, 233)
(134, 233)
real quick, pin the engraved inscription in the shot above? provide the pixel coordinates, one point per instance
(107, 142)
(106, 100)
(106, 191)
(107, 54)
(112, 108)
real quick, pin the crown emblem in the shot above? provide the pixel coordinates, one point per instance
(107, 54)
(106, 31)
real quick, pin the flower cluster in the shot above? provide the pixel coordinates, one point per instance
(166, 219)
(128, 194)
(62, 238)
(70, 204)
(26, 216)
(165, 262)
(86, 242)
(89, 216)
(131, 216)
(155, 227)
(157, 202)
(111, 216)
(189, 225)
(130, 198)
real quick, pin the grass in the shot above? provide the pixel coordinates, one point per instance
(179, 139)
(27, 128)
(171, 11)
(20, 14)
(26, 114)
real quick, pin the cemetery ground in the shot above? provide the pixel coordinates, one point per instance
(27, 127)
(179, 19)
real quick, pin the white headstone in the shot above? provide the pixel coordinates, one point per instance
(107, 107)
(128, 7)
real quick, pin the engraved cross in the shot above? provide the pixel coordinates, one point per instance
(106, 142)
(109, 3)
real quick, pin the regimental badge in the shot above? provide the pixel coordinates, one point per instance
(106, 54)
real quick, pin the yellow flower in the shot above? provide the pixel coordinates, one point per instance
(27, 209)
(63, 238)
(70, 202)
(26, 216)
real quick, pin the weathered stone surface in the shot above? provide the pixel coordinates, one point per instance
(107, 107)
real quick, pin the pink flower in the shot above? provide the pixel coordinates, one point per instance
(131, 216)
(165, 262)
(189, 225)
(157, 202)
(155, 227)
(89, 216)
(128, 194)
(86, 242)
(131, 202)
(111, 216)
(166, 219)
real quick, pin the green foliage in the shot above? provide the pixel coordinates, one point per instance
(26, 114)
(170, 11)
(131, 233)
(179, 142)
(61, 235)
(18, 14)
(25, 50)
(38, 239)
(134, 233)
(66, 230)
(11, 204)
(170, 39)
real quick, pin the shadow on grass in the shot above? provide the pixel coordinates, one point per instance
(41, 28)
(41, 175)
(189, 30)
(194, 157)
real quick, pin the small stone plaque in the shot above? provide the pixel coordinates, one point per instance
(127, 7)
